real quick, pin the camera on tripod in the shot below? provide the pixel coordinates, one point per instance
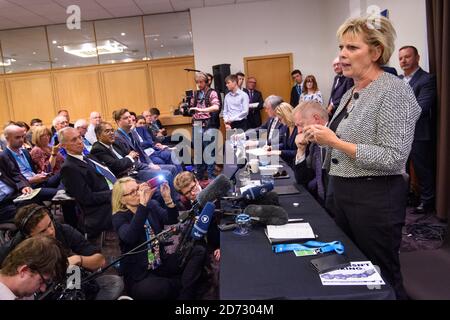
(186, 105)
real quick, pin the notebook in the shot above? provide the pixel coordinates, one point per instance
(289, 232)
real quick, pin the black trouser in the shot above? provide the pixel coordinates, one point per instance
(371, 211)
(422, 156)
(169, 281)
(239, 125)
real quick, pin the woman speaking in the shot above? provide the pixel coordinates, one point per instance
(368, 142)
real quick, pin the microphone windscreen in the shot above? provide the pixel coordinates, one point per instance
(268, 214)
(202, 224)
(218, 188)
(270, 198)
(257, 192)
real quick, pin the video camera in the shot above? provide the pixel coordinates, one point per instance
(186, 105)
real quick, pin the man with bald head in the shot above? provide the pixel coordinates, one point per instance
(94, 119)
(341, 85)
(17, 165)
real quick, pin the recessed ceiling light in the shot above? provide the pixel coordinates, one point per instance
(156, 39)
(162, 46)
(54, 42)
(34, 52)
(123, 34)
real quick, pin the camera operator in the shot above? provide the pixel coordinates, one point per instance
(83, 253)
(151, 273)
(30, 268)
(206, 105)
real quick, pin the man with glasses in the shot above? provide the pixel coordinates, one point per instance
(256, 103)
(30, 267)
(82, 253)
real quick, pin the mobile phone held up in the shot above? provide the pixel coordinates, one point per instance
(156, 181)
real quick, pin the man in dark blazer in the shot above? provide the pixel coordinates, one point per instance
(272, 126)
(10, 188)
(122, 164)
(423, 148)
(83, 179)
(127, 139)
(309, 158)
(255, 96)
(341, 84)
(296, 90)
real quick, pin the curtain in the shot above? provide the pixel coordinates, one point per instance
(438, 23)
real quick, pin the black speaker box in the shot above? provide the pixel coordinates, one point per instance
(220, 72)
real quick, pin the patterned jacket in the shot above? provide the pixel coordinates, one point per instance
(381, 122)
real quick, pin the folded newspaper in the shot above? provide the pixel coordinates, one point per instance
(362, 273)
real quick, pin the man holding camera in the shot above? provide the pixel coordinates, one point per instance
(206, 105)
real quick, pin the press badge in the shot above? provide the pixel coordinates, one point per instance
(305, 253)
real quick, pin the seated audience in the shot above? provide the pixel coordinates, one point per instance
(31, 267)
(311, 90)
(81, 125)
(46, 159)
(26, 128)
(89, 182)
(287, 147)
(82, 253)
(152, 273)
(59, 123)
(94, 119)
(64, 113)
(309, 158)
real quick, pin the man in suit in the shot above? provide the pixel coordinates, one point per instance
(9, 189)
(122, 164)
(423, 147)
(127, 140)
(272, 126)
(341, 84)
(255, 96)
(64, 113)
(309, 158)
(88, 181)
(297, 88)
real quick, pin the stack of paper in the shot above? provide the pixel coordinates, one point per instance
(27, 196)
(289, 232)
(361, 273)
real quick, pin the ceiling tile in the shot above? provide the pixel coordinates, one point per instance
(154, 6)
(21, 14)
(181, 5)
(211, 3)
(51, 11)
(6, 4)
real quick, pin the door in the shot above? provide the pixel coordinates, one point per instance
(273, 75)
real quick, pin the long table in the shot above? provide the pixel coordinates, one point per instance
(250, 270)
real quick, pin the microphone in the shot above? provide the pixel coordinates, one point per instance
(192, 70)
(218, 188)
(239, 167)
(257, 192)
(269, 198)
(267, 214)
(202, 224)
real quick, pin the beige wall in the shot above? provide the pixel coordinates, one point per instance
(137, 86)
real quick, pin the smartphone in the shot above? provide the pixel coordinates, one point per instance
(156, 181)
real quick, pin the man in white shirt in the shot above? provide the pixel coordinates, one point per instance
(235, 106)
(30, 268)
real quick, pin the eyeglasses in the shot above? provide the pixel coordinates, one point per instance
(132, 192)
(190, 189)
(47, 282)
(309, 80)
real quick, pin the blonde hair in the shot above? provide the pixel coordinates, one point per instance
(117, 194)
(284, 112)
(37, 133)
(183, 180)
(376, 32)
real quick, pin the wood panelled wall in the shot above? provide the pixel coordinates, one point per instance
(135, 85)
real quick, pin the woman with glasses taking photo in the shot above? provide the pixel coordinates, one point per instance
(150, 273)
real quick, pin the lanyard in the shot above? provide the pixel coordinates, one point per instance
(126, 135)
(320, 247)
(23, 162)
